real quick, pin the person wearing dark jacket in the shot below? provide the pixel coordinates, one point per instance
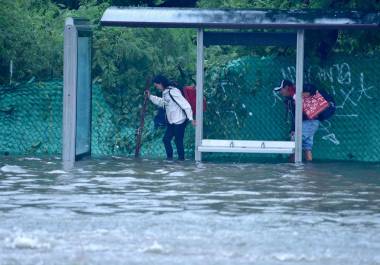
(309, 127)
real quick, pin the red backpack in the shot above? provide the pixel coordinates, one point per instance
(190, 93)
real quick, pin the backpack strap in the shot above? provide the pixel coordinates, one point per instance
(177, 104)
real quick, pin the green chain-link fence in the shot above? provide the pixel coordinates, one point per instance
(241, 105)
(31, 119)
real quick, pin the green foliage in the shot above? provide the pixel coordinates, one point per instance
(30, 38)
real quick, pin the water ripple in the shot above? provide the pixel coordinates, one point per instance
(122, 211)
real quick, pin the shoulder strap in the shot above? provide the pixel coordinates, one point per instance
(178, 104)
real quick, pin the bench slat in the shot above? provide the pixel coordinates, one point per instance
(244, 146)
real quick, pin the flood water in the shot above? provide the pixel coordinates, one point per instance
(123, 211)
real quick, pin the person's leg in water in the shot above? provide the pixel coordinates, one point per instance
(179, 133)
(308, 155)
(309, 128)
(167, 139)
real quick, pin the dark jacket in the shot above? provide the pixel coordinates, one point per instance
(291, 109)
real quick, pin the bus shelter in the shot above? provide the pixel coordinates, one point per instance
(295, 22)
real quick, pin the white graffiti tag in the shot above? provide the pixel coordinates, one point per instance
(329, 136)
(363, 90)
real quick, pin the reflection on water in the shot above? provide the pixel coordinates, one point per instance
(124, 211)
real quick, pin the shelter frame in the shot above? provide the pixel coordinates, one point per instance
(77, 87)
(238, 146)
(200, 19)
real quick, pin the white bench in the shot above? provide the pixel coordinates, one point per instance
(242, 146)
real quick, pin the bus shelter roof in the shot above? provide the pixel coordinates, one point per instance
(238, 18)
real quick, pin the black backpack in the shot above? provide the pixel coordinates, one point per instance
(327, 113)
(160, 119)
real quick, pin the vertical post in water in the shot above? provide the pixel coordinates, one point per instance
(199, 100)
(10, 71)
(299, 88)
(69, 94)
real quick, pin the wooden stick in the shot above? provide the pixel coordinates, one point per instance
(139, 130)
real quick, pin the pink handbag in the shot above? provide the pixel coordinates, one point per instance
(313, 105)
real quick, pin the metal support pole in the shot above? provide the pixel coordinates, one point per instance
(299, 88)
(69, 94)
(199, 101)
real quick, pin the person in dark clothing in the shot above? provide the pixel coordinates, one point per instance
(309, 127)
(177, 110)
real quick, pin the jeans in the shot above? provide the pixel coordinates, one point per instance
(177, 131)
(309, 127)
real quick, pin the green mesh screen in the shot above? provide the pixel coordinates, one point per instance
(31, 119)
(241, 106)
